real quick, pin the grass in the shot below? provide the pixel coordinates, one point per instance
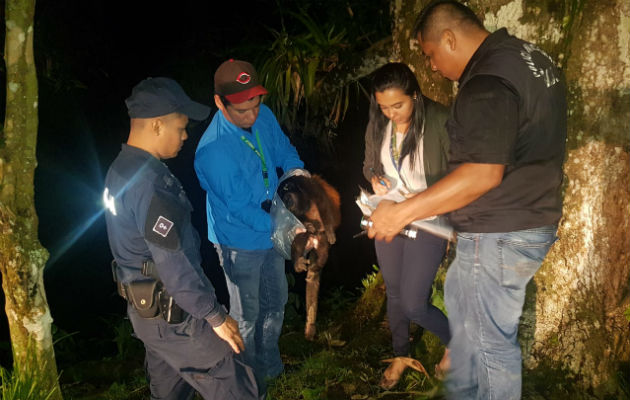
(22, 386)
(113, 372)
(25, 382)
(344, 362)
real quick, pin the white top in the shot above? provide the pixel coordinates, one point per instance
(411, 178)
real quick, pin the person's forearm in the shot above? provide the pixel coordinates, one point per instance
(456, 190)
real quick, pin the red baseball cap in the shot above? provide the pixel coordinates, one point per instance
(237, 81)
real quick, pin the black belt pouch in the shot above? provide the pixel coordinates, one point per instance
(143, 295)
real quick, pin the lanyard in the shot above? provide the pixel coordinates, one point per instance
(394, 152)
(260, 154)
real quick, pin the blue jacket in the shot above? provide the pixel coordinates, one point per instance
(231, 174)
(148, 217)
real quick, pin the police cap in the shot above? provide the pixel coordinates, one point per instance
(154, 97)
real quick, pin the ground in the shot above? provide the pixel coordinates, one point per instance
(344, 362)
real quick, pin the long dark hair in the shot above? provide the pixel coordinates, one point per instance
(397, 76)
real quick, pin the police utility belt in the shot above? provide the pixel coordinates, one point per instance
(148, 296)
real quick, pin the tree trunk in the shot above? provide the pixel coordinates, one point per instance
(22, 258)
(574, 314)
(583, 285)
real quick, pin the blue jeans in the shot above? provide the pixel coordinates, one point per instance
(258, 293)
(484, 294)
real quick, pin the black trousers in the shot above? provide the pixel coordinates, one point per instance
(409, 267)
(182, 358)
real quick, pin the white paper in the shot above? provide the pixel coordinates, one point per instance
(435, 225)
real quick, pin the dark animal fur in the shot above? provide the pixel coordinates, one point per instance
(316, 204)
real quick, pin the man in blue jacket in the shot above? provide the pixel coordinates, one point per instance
(236, 163)
(189, 340)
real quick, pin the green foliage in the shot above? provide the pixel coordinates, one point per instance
(437, 296)
(627, 313)
(300, 75)
(25, 383)
(64, 343)
(437, 299)
(117, 391)
(312, 394)
(294, 309)
(337, 300)
(136, 389)
(295, 301)
(371, 304)
(370, 281)
(339, 364)
(22, 386)
(310, 67)
(328, 374)
(125, 342)
(346, 363)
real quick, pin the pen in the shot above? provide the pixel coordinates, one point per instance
(380, 180)
(362, 233)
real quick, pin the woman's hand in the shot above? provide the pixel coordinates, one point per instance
(380, 185)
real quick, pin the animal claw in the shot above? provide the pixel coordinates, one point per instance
(331, 237)
(300, 266)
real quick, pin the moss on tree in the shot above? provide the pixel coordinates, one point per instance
(22, 258)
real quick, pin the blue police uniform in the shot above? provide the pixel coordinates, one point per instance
(148, 218)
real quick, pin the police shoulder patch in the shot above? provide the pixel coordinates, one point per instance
(162, 226)
(165, 220)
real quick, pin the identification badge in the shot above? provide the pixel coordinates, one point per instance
(162, 226)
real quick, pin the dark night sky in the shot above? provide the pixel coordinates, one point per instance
(89, 55)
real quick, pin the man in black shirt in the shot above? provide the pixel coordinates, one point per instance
(507, 129)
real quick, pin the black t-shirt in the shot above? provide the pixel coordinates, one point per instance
(505, 114)
(484, 123)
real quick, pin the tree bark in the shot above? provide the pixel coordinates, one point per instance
(22, 258)
(573, 318)
(583, 285)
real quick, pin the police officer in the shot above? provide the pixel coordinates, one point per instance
(189, 339)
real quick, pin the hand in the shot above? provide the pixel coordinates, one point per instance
(378, 187)
(228, 331)
(386, 221)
